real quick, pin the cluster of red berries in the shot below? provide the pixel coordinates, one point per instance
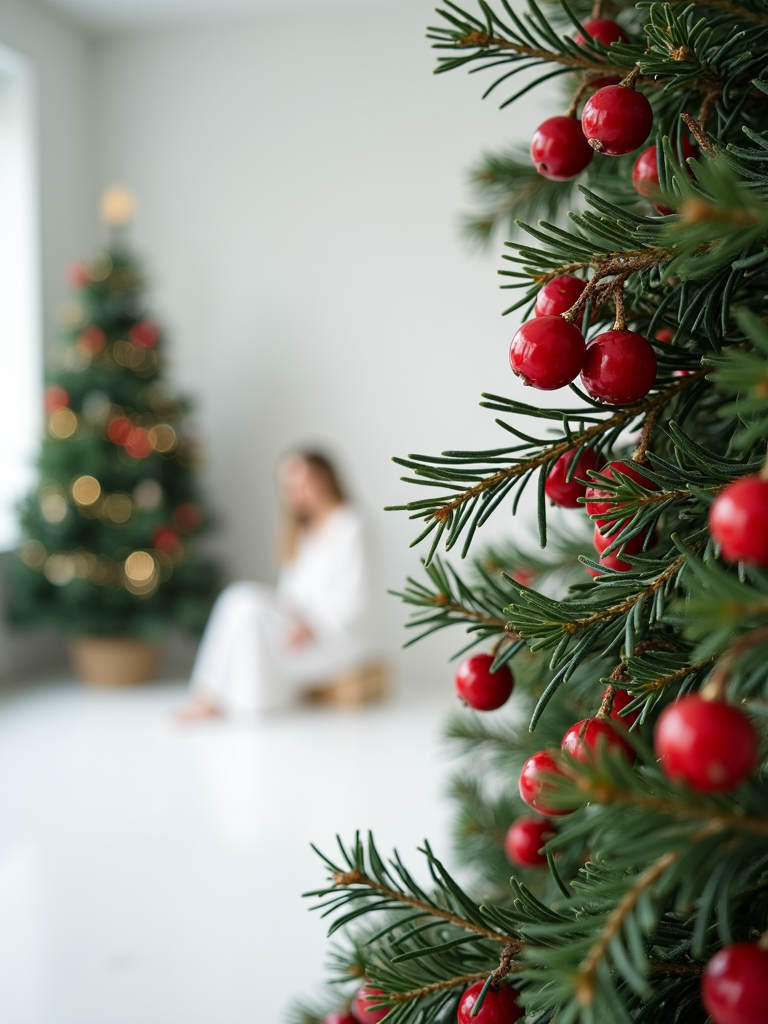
(359, 1011)
(548, 352)
(582, 742)
(480, 688)
(615, 120)
(607, 512)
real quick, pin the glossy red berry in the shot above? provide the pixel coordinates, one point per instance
(583, 739)
(547, 352)
(524, 840)
(558, 295)
(645, 174)
(482, 689)
(499, 1006)
(360, 1008)
(734, 986)
(559, 149)
(566, 492)
(616, 120)
(609, 511)
(339, 1017)
(611, 561)
(619, 367)
(628, 547)
(535, 788)
(621, 700)
(604, 30)
(738, 521)
(709, 744)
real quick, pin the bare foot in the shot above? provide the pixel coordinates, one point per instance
(198, 710)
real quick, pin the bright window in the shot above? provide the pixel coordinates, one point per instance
(20, 332)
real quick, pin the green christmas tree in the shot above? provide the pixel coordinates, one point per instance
(110, 531)
(616, 810)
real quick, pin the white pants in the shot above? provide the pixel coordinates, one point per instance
(245, 664)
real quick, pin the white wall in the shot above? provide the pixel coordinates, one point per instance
(61, 57)
(300, 182)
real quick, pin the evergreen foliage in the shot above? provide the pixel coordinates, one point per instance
(647, 878)
(109, 532)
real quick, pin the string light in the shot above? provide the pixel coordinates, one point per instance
(100, 267)
(147, 494)
(71, 315)
(117, 206)
(59, 569)
(162, 437)
(86, 490)
(53, 507)
(117, 508)
(141, 575)
(33, 554)
(63, 423)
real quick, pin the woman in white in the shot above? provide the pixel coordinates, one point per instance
(263, 645)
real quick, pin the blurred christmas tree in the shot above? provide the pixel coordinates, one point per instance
(623, 789)
(109, 533)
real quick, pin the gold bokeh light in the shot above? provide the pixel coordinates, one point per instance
(86, 490)
(118, 508)
(63, 423)
(163, 437)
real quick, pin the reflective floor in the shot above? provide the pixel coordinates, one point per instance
(152, 876)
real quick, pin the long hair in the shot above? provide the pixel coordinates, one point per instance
(293, 525)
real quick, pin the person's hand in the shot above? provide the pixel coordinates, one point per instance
(300, 635)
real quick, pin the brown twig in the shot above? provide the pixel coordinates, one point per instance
(638, 455)
(696, 128)
(437, 986)
(344, 879)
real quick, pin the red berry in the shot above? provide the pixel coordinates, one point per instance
(734, 986)
(611, 561)
(547, 352)
(582, 739)
(534, 787)
(738, 521)
(144, 333)
(710, 744)
(499, 1006)
(609, 511)
(619, 367)
(645, 177)
(566, 492)
(524, 575)
(604, 30)
(558, 295)
(621, 700)
(559, 150)
(360, 1008)
(55, 398)
(616, 120)
(339, 1017)
(482, 689)
(629, 547)
(524, 840)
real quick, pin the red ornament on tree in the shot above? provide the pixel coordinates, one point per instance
(77, 275)
(616, 120)
(165, 538)
(482, 689)
(734, 986)
(92, 339)
(535, 787)
(619, 367)
(738, 521)
(524, 840)
(566, 492)
(547, 352)
(118, 429)
(558, 295)
(144, 333)
(138, 443)
(582, 739)
(709, 744)
(621, 700)
(500, 1005)
(55, 398)
(339, 1017)
(361, 1006)
(187, 516)
(609, 511)
(559, 150)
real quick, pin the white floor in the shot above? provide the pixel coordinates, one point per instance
(153, 876)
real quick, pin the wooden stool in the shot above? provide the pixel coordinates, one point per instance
(351, 688)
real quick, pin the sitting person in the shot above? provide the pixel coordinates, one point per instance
(263, 646)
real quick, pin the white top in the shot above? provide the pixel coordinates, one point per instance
(330, 582)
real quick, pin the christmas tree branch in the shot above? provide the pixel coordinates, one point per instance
(586, 978)
(437, 986)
